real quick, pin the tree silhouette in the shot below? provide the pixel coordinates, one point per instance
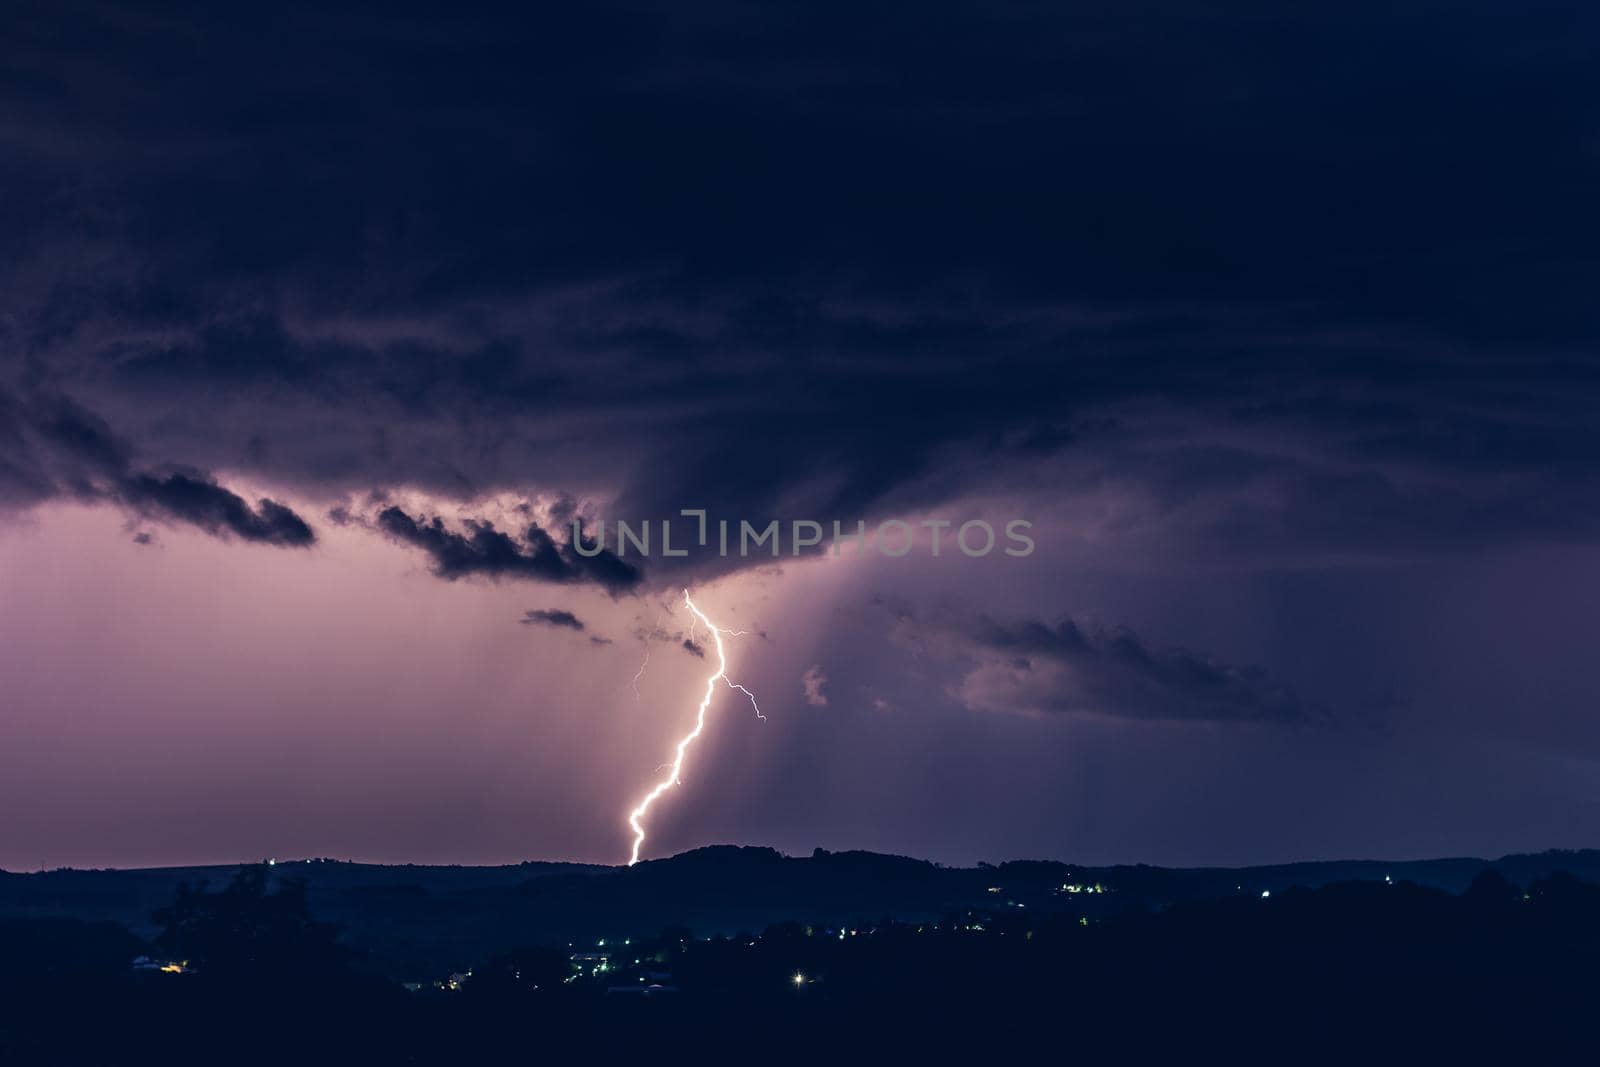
(524, 970)
(1490, 889)
(250, 931)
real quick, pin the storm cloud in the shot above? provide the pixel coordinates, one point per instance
(551, 617)
(481, 549)
(1032, 667)
(201, 502)
(52, 446)
(1058, 256)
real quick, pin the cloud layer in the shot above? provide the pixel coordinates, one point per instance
(1032, 667)
(552, 617)
(1296, 309)
(480, 549)
(51, 446)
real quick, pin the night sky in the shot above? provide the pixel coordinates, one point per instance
(320, 325)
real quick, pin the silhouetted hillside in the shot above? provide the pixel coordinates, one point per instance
(1385, 971)
(415, 922)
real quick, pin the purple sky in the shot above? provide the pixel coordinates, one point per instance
(314, 338)
(195, 700)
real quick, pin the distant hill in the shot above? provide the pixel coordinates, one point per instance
(424, 921)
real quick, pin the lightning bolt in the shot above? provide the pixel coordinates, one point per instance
(674, 770)
(735, 685)
(655, 628)
(640, 673)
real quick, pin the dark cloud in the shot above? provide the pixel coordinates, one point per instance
(1029, 666)
(22, 480)
(75, 452)
(604, 568)
(484, 550)
(669, 636)
(1162, 154)
(50, 446)
(596, 640)
(551, 617)
(200, 502)
(79, 432)
(1312, 302)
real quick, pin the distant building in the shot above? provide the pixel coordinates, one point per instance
(148, 964)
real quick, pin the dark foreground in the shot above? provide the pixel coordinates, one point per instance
(1356, 971)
